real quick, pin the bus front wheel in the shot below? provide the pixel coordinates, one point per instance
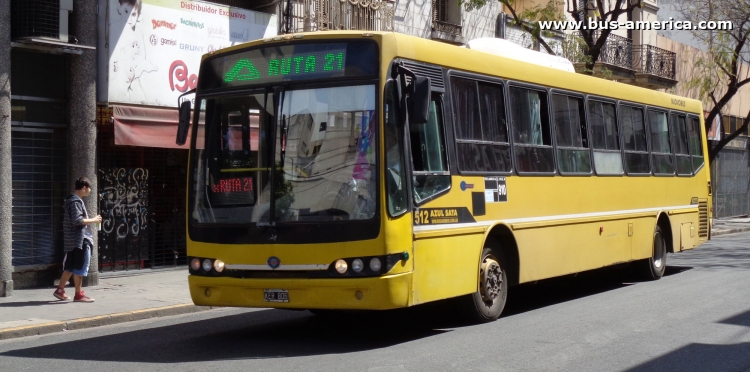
(486, 304)
(655, 266)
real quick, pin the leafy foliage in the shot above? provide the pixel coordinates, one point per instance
(527, 18)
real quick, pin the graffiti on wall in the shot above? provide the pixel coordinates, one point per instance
(123, 204)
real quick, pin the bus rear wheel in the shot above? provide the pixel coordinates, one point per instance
(655, 266)
(486, 304)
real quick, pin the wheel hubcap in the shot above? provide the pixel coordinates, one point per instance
(492, 279)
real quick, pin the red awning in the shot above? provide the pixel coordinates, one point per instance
(149, 127)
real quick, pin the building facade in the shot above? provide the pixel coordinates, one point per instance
(90, 89)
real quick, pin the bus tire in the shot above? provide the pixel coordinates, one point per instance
(655, 266)
(486, 304)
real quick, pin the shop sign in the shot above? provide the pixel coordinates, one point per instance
(155, 46)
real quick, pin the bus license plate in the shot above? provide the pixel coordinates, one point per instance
(276, 295)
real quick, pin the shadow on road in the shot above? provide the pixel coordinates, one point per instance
(532, 296)
(282, 334)
(705, 357)
(252, 335)
(723, 252)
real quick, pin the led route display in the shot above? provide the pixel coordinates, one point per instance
(290, 62)
(243, 184)
(232, 191)
(247, 69)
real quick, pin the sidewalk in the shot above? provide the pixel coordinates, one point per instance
(722, 226)
(139, 294)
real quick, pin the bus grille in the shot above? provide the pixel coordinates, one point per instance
(703, 219)
(435, 73)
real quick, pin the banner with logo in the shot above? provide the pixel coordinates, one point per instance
(155, 46)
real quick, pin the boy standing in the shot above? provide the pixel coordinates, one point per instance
(79, 241)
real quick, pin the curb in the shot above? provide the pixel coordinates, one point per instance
(729, 231)
(98, 321)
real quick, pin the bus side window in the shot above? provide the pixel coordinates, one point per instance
(606, 140)
(696, 150)
(661, 153)
(481, 129)
(430, 167)
(634, 141)
(678, 130)
(573, 156)
(531, 131)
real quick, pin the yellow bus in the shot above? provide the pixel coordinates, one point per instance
(350, 170)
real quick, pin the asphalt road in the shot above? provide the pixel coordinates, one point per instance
(696, 318)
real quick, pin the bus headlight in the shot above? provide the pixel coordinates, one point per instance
(207, 265)
(357, 265)
(375, 264)
(219, 266)
(341, 266)
(195, 264)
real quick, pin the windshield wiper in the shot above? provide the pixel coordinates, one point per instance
(282, 140)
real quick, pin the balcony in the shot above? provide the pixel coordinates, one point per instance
(642, 65)
(655, 67)
(447, 32)
(615, 60)
(325, 15)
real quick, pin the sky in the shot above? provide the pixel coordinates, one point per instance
(666, 10)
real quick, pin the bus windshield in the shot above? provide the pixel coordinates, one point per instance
(309, 154)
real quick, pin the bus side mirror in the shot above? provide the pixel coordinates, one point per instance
(184, 124)
(420, 101)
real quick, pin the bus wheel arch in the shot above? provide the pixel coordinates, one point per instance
(501, 237)
(666, 229)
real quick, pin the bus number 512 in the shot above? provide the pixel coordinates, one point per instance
(422, 217)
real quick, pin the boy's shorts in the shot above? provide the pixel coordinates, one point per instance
(77, 261)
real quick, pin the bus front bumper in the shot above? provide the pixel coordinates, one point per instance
(377, 293)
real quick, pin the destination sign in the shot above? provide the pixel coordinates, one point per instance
(248, 69)
(232, 191)
(290, 63)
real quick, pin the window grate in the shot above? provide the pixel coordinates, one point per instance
(35, 18)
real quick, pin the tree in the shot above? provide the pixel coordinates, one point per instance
(528, 18)
(590, 42)
(604, 12)
(725, 66)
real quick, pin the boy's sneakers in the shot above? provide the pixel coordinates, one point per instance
(80, 297)
(60, 294)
